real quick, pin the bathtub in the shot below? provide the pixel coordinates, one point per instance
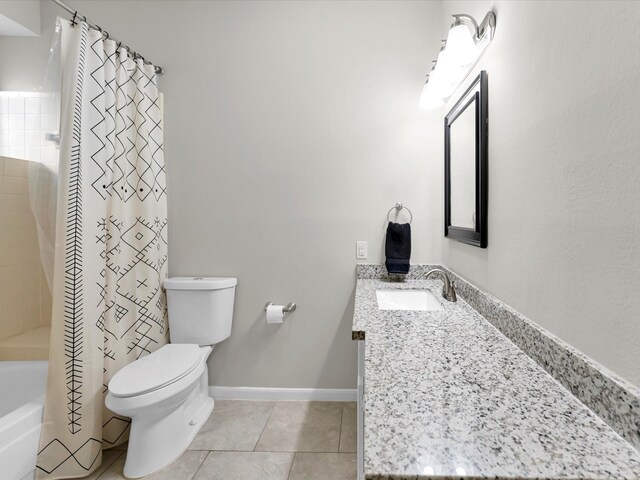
(22, 386)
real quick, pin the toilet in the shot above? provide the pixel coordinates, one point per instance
(166, 393)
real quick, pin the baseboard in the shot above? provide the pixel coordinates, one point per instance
(260, 393)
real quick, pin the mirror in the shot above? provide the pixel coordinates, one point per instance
(465, 166)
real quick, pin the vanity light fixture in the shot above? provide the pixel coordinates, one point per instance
(465, 43)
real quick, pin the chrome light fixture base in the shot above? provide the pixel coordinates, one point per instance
(488, 24)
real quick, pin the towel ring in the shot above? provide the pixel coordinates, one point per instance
(399, 207)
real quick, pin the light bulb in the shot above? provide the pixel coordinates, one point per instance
(431, 93)
(460, 46)
(449, 74)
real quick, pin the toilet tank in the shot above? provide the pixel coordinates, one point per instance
(200, 308)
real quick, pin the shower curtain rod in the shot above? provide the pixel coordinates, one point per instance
(159, 70)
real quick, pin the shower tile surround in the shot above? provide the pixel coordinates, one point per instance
(25, 302)
(409, 417)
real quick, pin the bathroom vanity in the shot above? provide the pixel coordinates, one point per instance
(443, 393)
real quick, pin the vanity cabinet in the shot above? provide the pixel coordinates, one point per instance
(360, 412)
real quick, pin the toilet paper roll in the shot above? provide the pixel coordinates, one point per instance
(275, 313)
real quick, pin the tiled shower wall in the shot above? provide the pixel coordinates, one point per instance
(25, 301)
(25, 118)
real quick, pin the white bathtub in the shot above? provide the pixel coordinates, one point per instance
(22, 386)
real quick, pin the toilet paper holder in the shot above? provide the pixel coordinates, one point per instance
(288, 309)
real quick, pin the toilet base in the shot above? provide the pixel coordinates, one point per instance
(155, 443)
(162, 432)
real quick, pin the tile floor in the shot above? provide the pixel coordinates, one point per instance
(252, 440)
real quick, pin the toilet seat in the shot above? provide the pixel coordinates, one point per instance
(157, 370)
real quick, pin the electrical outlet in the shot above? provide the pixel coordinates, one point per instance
(361, 250)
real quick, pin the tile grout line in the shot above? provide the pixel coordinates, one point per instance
(122, 452)
(201, 464)
(340, 432)
(270, 451)
(293, 459)
(273, 407)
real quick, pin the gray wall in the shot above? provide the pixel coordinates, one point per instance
(289, 136)
(291, 128)
(24, 60)
(20, 17)
(564, 172)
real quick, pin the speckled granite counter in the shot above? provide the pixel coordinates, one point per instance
(449, 396)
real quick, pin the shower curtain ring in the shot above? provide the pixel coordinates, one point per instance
(73, 20)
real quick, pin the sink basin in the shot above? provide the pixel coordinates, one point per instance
(407, 300)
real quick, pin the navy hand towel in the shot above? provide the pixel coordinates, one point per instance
(398, 248)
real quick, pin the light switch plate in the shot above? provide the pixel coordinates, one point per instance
(361, 250)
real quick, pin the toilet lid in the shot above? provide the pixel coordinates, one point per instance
(158, 369)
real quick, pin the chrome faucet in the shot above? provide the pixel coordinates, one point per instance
(448, 289)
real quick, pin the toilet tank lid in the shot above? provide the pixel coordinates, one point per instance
(199, 283)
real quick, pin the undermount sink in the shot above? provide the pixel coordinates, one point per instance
(407, 300)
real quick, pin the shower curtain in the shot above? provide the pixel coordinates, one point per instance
(109, 307)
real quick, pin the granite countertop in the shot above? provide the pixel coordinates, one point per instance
(449, 396)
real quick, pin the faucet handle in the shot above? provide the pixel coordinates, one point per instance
(448, 287)
(450, 293)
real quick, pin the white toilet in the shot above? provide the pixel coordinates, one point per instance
(166, 393)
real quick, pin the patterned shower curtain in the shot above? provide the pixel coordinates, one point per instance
(109, 308)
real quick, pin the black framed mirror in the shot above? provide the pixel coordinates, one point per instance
(466, 164)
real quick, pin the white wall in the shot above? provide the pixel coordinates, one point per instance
(564, 172)
(20, 17)
(24, 60)
(291, 129)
